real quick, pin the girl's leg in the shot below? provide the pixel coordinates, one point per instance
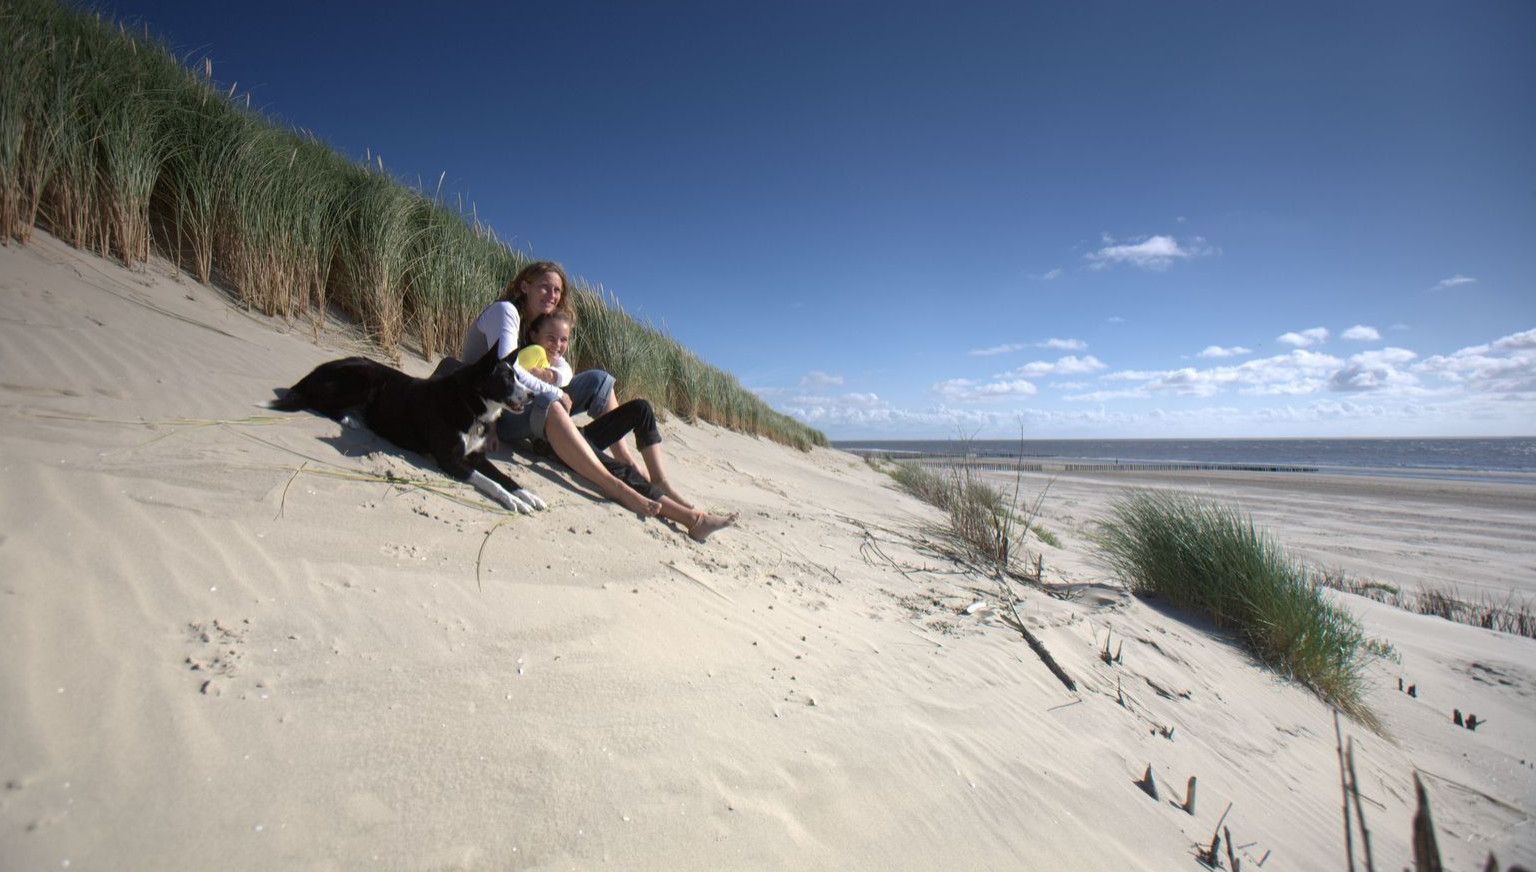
(635, 416)
(572, 448)
(620, 448)
(700, 523)
(656, 471)
(593, 392)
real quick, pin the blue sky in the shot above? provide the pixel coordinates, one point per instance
(909, 220)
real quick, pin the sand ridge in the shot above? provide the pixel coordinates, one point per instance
(229, 639)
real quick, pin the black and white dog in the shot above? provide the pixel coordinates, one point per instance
(450, 417)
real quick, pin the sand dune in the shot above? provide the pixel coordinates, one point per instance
(230, 645)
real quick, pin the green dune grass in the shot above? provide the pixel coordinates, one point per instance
(1211, 560)
(113, 146)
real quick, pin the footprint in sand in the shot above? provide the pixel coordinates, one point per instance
(216, 654)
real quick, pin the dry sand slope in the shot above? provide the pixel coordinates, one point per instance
(212, 662)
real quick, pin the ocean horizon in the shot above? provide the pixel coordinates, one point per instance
(1514, 454)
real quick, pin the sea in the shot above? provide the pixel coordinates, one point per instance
(1511, 458)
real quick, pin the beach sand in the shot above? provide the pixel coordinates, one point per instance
(230, 645)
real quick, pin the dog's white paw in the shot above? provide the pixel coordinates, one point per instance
(530, 498)
(517, 505)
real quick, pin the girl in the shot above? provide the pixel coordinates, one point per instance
(551, 335)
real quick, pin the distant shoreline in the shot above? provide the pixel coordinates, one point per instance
(1504, 459)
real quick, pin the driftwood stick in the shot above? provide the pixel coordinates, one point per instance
(1035, 644)
(1038, 647)
(1212, 856)
(1223, 819)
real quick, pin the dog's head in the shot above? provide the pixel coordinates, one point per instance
(498, 381)
(503, 386)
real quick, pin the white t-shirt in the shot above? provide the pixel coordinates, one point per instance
(498, 325)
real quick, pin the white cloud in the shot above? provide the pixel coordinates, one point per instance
(867, 401)
(1361, 333)
(1218, 351)
(816, 380)
(1485, 388)
(844, 409)
(1304, 338)
(1298, 372)
(1505, 367)
(964, 390)
(1048, 276)
(1062, 344)
(1516, 341)
(1454, 281)
(1069, 365)
(1375, 371)
(1115, 319)
(1107, 396)
(997, 349)
(1336, 414)
(1155, 253)
(1052, 343)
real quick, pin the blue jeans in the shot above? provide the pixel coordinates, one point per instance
(590, 392)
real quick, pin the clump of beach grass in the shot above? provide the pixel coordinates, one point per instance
(982, 521)
(1211, 559)
(111, 144)
(986, 532)
(924, 482)
(1511, 614)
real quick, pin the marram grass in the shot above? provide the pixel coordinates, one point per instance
(112, 145)
(981, 521)
(1211, 560)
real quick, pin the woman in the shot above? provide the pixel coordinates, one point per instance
(538, 289)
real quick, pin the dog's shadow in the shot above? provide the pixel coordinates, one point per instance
(546, 465)
(355, 440)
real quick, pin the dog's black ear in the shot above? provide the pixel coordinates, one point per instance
(488, 359)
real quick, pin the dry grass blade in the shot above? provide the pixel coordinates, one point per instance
(282, 503)
(253, 420)
(1512, 614)
(480, 555)
(421, 484)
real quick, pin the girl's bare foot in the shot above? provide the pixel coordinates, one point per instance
(666, 487)
(707, 524)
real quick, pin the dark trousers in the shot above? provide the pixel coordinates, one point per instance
(635, 415)
(606, 429)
